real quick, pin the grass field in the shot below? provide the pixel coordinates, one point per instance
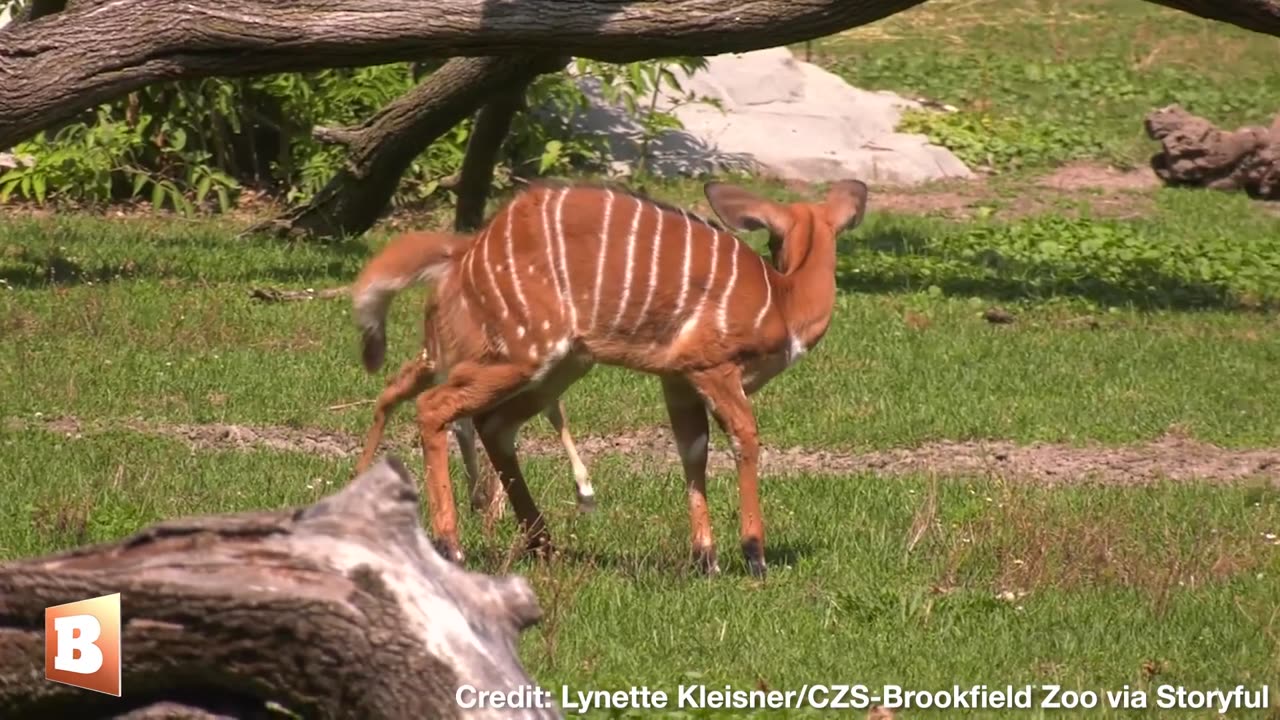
(1087, 496)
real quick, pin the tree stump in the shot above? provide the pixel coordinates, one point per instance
(342, 609)
(1196, 153)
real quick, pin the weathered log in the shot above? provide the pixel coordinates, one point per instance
(342, 609)
(1196, 153)
(381, 149)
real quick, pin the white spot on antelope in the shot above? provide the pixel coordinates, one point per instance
(795, 350)
(520, 331)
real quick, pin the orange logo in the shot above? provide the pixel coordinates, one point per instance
(82, 644)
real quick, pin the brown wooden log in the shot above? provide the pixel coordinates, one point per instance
(75, 59)
(1193, 152)
(342, 609)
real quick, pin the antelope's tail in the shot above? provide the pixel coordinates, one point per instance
(411, 258)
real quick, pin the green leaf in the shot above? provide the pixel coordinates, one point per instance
(202, 188)
(550, 155)
(7, 189)
(157, 195)
(139, 181)
(39, 184)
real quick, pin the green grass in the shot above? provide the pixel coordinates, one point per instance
(1039, 82)
(1007, 583)
(1083, 585)
(908, 358)
(1125, 328)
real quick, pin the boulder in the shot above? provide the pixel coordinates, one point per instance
(778, 117)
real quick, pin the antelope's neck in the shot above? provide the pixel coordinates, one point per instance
(808, 285)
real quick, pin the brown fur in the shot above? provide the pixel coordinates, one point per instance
(549, 288)
(408, 258)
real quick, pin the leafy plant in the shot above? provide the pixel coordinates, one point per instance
(183, 145)
(1001, 143)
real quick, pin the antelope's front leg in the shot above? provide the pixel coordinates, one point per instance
(722, 389)
(688, 415)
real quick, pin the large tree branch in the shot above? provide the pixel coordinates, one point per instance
(338, 610)
(88, 54)
(73, 60)
(1258, 15)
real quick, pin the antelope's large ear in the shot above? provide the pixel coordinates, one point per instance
(846, 204)
(744, 210)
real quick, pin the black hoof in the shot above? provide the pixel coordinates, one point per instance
(754, 554)
(705, 560)
(450, 551)
(586, 504)
(540, 546)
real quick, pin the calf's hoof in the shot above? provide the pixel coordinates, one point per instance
(586, 504)
(450, 551)
(753, 552)
(540, 546)
(705, 560)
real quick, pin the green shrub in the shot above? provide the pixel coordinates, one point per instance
(193, 144)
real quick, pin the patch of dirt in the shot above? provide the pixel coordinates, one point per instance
(1171, 457)
(924, 203)
(1123, 194)
(1088, 176)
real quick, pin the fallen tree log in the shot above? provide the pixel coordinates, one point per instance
(1196, 153)
(82, 54)
(342, 609)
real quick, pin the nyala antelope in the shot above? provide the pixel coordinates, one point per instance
(416, 375)
(567, 276)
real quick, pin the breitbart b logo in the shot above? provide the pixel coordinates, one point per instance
(82, 644)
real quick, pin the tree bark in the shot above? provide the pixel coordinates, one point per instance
(87, 55)
(382, 148)
(1195, 153)
(79, 58)
(488, 133)
(342, 609)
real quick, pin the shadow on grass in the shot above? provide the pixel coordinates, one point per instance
(180, 258)
(640, 565)
(906, 259)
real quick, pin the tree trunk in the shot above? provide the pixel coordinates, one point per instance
(342, 609)
(492, 124)
(382, 148)
(1195, 153)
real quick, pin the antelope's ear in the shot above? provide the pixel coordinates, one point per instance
(846, 204)
(744, 210)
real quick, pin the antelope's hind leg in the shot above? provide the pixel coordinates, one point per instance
(470, 389)
(412, 378)
(688, 415)
(582, 480)
(483, 489)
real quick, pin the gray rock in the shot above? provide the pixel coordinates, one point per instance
(778, 117)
